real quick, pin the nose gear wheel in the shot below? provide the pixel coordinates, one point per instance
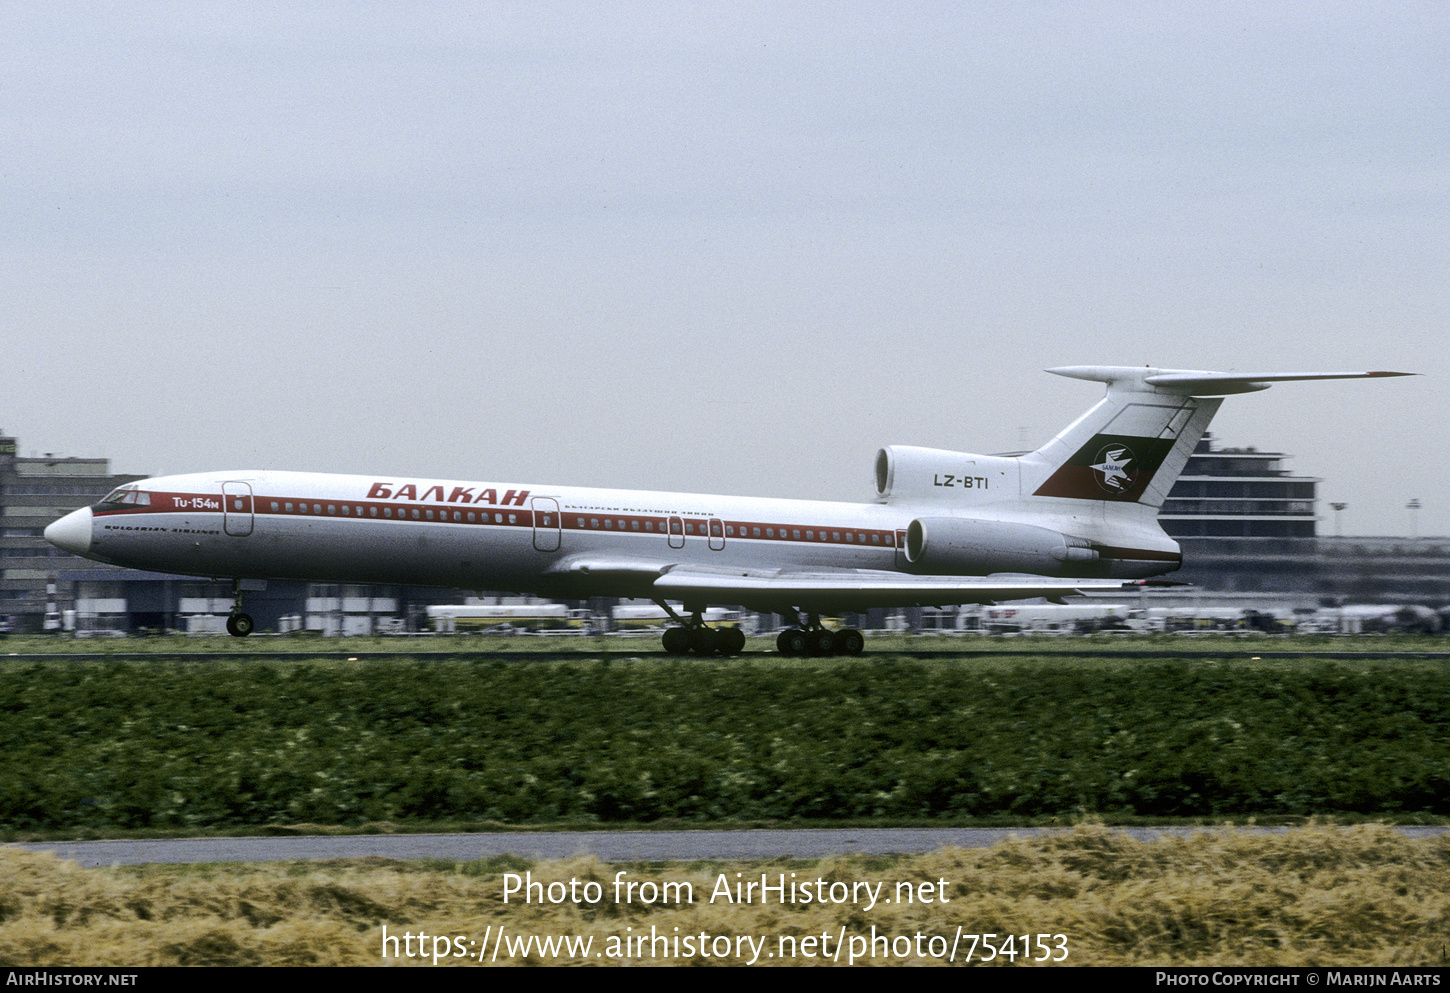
(239, 624)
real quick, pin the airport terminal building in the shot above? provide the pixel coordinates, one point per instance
(1249, 529)
(1239, 493)
(34, 491)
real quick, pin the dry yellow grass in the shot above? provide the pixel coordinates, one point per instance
(1316, 896)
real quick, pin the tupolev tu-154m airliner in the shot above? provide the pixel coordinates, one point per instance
(1077, 516)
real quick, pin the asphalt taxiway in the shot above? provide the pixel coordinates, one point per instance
(607, 846)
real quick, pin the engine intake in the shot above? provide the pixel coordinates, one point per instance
(906, 473)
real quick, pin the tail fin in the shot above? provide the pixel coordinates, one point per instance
(1133, 445)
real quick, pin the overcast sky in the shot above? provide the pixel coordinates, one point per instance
(724, 247)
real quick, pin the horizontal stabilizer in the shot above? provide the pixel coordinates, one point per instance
(1194, 382)
(1223, 383)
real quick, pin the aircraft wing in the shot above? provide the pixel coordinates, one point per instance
(835, 590)
(817, 590)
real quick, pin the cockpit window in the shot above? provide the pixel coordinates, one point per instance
(129, 495)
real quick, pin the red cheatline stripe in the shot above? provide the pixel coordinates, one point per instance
(634, 524)
(369, 510)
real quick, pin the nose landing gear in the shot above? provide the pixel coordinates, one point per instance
(239, 624)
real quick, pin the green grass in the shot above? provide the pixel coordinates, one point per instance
(205, 746)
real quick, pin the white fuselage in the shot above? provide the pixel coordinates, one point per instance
(516, 537)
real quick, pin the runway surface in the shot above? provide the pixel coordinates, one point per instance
(651, 651)
(608, 846)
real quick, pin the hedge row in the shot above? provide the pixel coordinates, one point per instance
(223, 744)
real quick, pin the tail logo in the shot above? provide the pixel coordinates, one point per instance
(1110, 468)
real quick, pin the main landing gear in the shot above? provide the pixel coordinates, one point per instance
(239, 624)
(703, 640)
(695, 637)
(813, 639)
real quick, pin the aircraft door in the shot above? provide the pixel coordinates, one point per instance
(546, 523)
(237, 509)
(717, 534)
(901, 562)
(677, 532)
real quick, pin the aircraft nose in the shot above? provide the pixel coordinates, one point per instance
(72, 533)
